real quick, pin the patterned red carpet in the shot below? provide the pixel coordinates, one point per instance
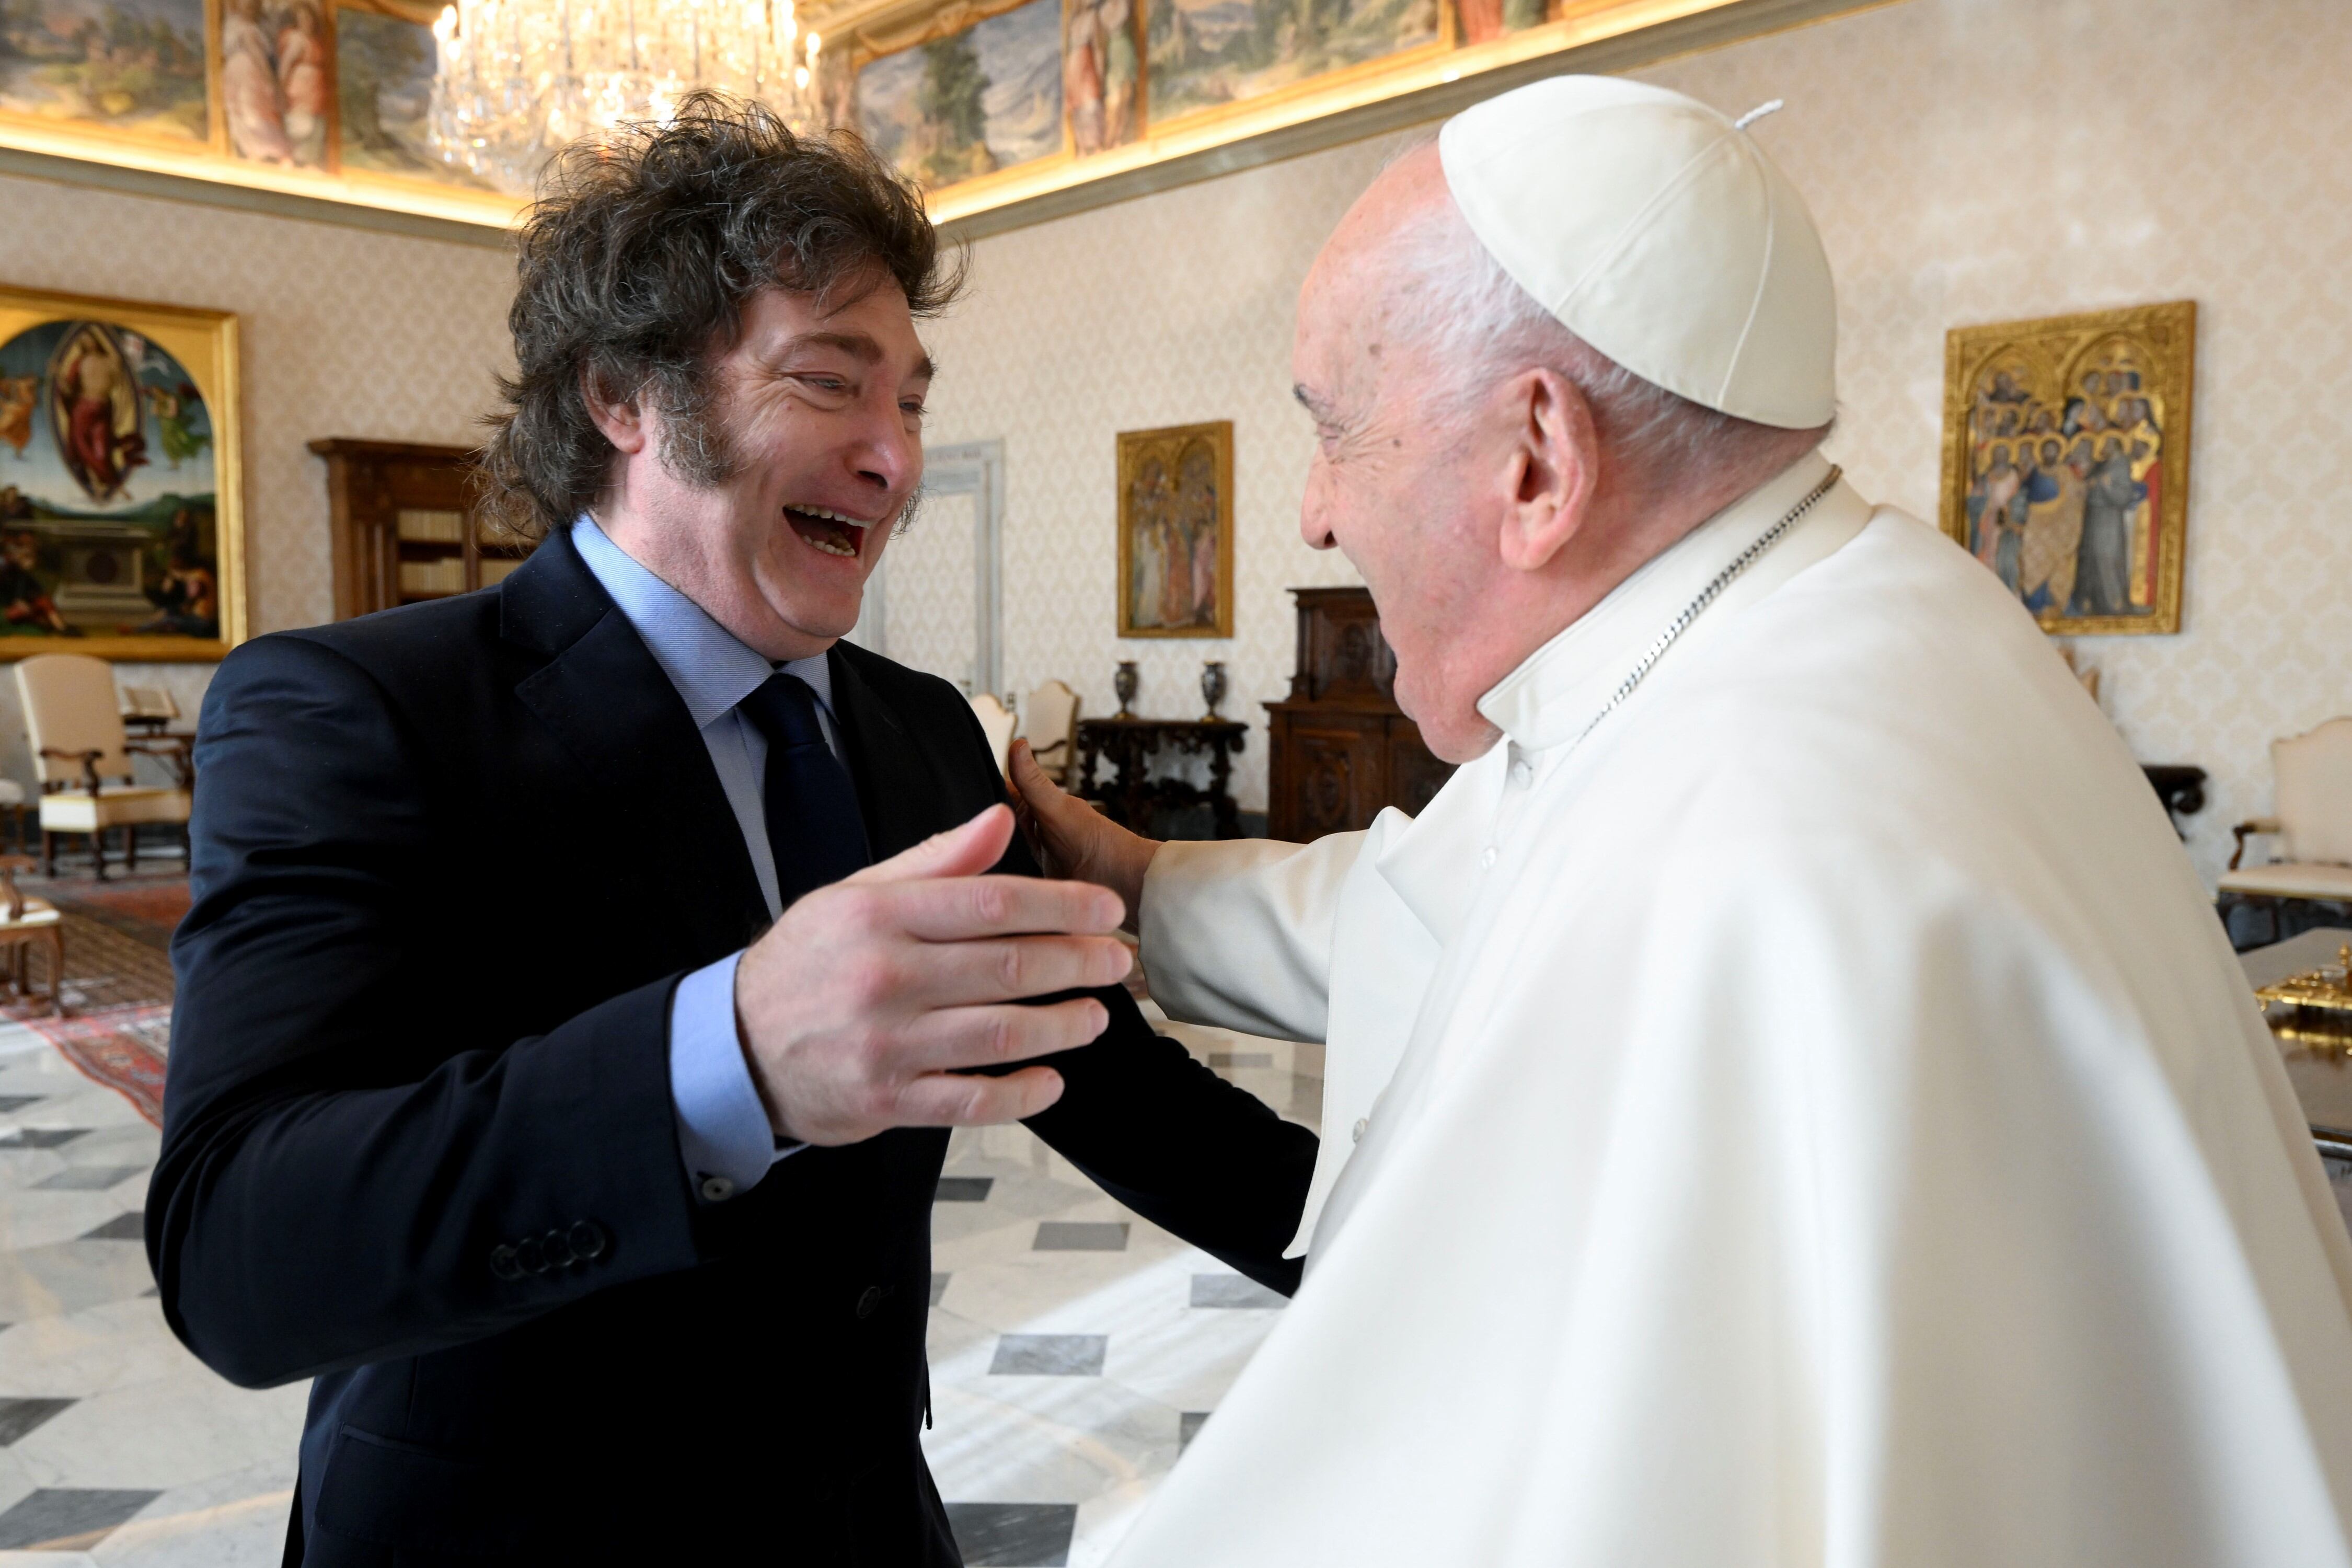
(118, 982)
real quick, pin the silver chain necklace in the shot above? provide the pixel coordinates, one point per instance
(1707, 595)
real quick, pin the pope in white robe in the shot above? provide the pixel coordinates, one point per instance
(1799, 1110)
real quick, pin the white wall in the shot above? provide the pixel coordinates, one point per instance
(345, 332)
(1969, 161)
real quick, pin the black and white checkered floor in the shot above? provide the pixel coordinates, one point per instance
(1075, 1348)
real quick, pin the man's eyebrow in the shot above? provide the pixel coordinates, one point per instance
(861, 348)
(856, 345)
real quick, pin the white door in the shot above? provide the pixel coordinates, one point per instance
(931, 604)
(931, 614)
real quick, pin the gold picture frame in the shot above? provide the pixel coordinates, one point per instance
(2065, 462)
(121, 480)
(1176, 532)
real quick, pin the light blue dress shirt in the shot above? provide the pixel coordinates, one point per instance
(722, 1129)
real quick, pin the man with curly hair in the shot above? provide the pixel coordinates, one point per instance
(582, 974)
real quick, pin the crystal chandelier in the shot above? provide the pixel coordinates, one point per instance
(516, 80)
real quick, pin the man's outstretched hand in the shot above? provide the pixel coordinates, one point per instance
(1073, 839)
(859, 1007)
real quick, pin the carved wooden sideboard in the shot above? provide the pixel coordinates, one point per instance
(1340, 747)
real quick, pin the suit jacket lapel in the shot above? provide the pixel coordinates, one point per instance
(615, 712)
(897, 787)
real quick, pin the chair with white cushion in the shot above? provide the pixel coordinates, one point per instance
(2311, 832)
(74, 721)
(998, 723)
(1050, 723)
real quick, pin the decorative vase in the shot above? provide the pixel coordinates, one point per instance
(1123, 683)
(1212, 684)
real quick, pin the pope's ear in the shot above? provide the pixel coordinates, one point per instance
(1554, 463)
(622, 419)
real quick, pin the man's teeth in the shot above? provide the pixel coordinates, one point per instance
(831, 516)
(831, 547)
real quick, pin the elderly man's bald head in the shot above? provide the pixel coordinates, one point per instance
(1491, 474)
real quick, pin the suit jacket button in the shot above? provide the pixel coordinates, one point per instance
(717, 1189)
(587, 1238)
(558, 1250)
(871, 1299)
(531, 1254)
(503, 1264)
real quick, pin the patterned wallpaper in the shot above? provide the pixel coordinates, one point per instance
(345, 332)
(1969, 161)
(1989, 160)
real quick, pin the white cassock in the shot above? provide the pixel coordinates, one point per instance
(1815, 1120)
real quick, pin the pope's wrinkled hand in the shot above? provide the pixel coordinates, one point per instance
(864, 1006)
(1073, 839)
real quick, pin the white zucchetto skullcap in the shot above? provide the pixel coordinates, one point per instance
(1659, 234)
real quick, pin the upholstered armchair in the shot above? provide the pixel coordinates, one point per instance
(74, 721)
(998, 722)
(2310, 835)
(1050, 723)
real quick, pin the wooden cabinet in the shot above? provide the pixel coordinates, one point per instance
(1340, 747)
(404, 531)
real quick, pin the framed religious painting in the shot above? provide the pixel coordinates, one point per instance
(2066, 462)
(1176, 532)
(121, 530)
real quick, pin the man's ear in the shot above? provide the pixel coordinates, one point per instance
(1555, 465)
(622, 419)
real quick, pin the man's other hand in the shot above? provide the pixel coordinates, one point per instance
(859, 1007)
(1073, 839)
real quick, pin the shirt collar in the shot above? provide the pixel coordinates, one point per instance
(711, 668)
(1553, 695)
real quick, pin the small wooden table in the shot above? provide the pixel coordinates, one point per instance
(25, 922)
(2322, 1077)
(1132, 795)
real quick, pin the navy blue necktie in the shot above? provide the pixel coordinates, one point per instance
(816, 832)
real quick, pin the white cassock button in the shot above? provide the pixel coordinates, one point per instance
(1521, 772)
(1486, 859)
(1358, 1135)
(717, 1189)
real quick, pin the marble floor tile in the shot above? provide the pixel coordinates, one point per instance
(1241, 1058)
(964, 1189)
(1081, 1236)
(1049, 1355)
(232, 1520)
(87, 1178)
(939, 1286)
(68, 1519)
(10, 1103)
(1013, 1534)
(179, 1429)
(40, 1137)
(132, 1226)
(69, 1276)
(1231, 1290)
(1189, 1427)
(18, 1417)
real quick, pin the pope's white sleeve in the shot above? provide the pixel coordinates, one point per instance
(1237, 934)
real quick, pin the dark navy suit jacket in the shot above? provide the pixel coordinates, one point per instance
(449, 863)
